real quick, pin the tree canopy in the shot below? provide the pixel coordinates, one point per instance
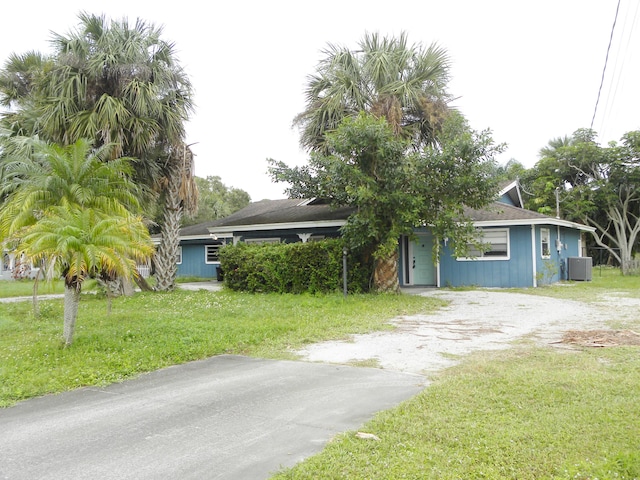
(393, 191)
(598, 186)
(384, 76)
(216, 200)
(118, 83)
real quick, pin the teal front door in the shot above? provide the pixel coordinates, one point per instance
(423, 271)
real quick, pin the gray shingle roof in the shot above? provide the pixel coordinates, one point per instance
(287, 211)
(499, 211)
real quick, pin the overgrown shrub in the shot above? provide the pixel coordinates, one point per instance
(292, 267)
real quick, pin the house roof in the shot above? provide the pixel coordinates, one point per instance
(502, 214)
(272, 215)
(512, 190)
(310, 213)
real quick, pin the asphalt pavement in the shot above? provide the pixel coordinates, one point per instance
(227, 417)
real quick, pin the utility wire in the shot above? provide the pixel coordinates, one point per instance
(605, 64)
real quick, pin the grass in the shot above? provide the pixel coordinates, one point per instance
(605, 281)
(24, 288)
(517, 414)
(154, 330)
(524, 413)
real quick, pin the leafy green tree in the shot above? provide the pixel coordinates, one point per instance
(387, 77)
(367, 166)
(216, 200)
(113, 83)
(80, 243)
(599, 186)
(510, 171)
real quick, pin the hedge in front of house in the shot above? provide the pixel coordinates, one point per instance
(291, 267)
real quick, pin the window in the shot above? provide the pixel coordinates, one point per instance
(211, 253)
(262, 240)
(545, 243)
(179, 256)
(496, 242)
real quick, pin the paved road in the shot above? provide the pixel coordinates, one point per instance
(227, 417)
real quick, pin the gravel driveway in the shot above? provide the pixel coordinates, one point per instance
(474, 320)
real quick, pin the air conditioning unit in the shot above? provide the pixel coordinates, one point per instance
(579, 268)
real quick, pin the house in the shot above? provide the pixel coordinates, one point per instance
(526, 247)
(287, 220)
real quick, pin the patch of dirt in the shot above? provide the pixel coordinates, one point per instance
(482, 320)
(602, 338)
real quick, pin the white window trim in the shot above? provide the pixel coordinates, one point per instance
(179, 260)
(206, 255)
(491, 258)
(548, 232)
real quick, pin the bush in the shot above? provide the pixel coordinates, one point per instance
(292, 267)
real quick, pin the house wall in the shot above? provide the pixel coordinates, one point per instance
(506, 199)
(193, 251)
(193, 261)
(554, 268)
(517, 271)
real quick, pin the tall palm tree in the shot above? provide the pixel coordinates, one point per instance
(114, 83)
(386, 77)
(79, 243)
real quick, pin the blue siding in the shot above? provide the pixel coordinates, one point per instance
(506, 199)
(569, 247)
(193, 262)
(515, 272)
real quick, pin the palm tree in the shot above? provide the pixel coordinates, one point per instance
(120, 84)
(81, 243)
(37, 176)
(385, 77)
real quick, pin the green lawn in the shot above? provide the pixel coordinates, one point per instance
(154, 330)
(525, 413)
(24, 288)
(517, 414)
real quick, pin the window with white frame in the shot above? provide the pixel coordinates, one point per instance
(496, 245)
(545, 243)
(211, 253)
(179, 256)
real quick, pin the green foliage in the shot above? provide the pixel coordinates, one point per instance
(37, 176)
(216, 200)
(154, 330)
(549, 270)
(384, 76)
(395, 190)
(311, 267)
(595, 185)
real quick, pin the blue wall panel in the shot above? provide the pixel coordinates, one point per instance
(515, 272)
(193, 262)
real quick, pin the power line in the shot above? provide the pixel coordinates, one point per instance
(605, 64)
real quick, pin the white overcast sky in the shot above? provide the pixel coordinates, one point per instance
(528, 71)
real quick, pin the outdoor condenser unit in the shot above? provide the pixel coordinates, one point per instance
(579, 268)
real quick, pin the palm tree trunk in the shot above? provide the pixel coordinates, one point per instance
(385, 274)
(165, 257)
(71, 301)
